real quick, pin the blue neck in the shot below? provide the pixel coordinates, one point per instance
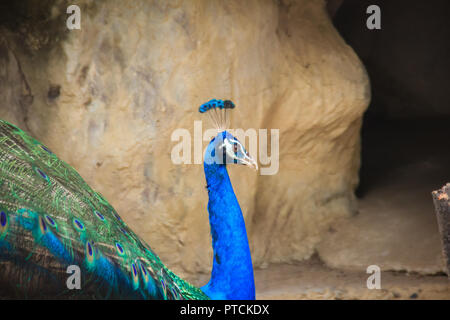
(232, 272)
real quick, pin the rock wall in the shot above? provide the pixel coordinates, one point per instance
(407, 60)
(107, 98)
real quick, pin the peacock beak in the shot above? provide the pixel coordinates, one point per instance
(249, 161)
(254, 165)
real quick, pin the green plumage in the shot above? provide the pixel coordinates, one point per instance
(51, 218)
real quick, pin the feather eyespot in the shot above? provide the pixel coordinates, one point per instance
(45, 149)
(99, 215)
(50, 221)
(143, 269)
(89, 252)
(42, 225)
(135, 276)
(3, 219)
(41, 173)
(3, 224)
(116, 216)
(175, 293)
(145, 276)
(78, 225)
(119, 248)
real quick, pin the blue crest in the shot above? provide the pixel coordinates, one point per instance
(218, 114)
(214, 103)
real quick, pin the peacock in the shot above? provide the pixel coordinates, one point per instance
(52, 221)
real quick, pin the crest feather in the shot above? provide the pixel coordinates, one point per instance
(218, 112)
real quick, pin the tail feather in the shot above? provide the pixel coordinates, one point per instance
(51, 219)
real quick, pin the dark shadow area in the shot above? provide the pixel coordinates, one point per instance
(407, 125)
(405, 153)
(413, 150)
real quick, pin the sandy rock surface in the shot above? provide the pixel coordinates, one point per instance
(107, 98)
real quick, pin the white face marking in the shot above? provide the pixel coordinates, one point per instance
(232, 147)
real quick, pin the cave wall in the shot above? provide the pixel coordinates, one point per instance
(407, 60)
(106, 99)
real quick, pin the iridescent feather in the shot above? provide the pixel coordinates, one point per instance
(50, 219)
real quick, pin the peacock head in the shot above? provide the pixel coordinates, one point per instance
(224, 148)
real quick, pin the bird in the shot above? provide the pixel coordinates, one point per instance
(60, 239)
